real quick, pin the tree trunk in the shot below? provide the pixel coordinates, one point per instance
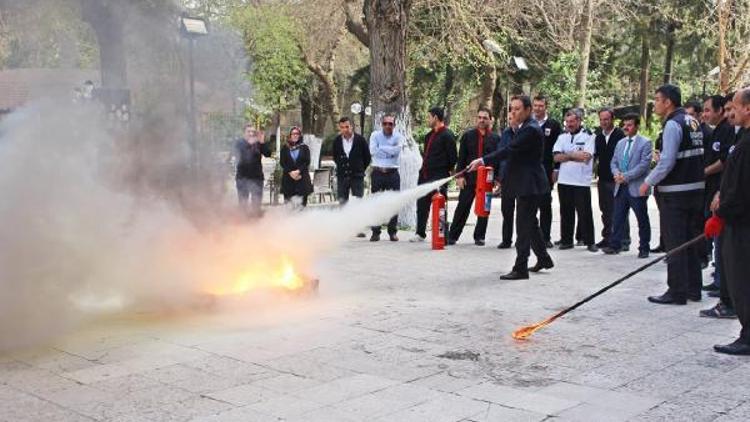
(585, 48)
(498, 105)
(487, 90)
(108, 29)
(645, 62)
(449, 83)
(387, 22)
(668, 58)
(723, 11)
(306, 111)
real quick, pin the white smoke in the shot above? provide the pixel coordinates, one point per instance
(75, 240)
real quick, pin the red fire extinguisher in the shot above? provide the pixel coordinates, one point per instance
(483, 192)
(439, 223)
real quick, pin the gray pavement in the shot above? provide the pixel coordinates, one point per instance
(402, 333)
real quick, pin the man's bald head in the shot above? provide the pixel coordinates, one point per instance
(741, 107)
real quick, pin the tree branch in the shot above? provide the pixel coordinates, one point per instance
(355, 25)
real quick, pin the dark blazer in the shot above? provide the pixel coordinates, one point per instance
(525, 174)
(604, 152)
(289, 186)
(551, 129)
(440, 160)
(468, 150)
(249, 159)
(358, 160)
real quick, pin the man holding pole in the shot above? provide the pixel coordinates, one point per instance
(732, 207)
(679, 181)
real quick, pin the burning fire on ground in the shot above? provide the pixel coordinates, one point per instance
(280, 275)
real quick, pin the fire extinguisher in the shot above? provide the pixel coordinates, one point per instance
(483, 192)
(439, 223)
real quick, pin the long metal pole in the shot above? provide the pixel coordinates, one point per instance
(191, 117)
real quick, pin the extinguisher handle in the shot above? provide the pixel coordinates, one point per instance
(461, 173)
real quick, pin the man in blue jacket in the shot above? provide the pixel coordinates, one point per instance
(630, 165)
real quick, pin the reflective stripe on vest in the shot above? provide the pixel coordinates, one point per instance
(681, 188)
(689, 153)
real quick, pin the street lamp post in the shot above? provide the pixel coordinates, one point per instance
(357, 108)
(192, 28)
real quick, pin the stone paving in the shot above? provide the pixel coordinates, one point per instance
(402, 333)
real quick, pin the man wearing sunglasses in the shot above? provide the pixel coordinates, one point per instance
(385, 148)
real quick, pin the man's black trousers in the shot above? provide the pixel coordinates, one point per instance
(528, 233)
(463, 209)
(383, 181)
(736, 258)
(576, 200)
(681, 219)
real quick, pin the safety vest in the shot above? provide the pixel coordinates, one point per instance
(687, 174)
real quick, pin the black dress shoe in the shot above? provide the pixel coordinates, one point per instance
(602, 244)
(375, 237)
(393, 237)
(504, 245)
(643, 254)
(735, 348)
(542, 264)
(515, 275)
(721, 311)
(625, 248)
(710, 287)
(451, 241)
(658, 249)
(592, 248)
(479, 242)
(610, 251)
(667, 299)
(549, 245)
(558, 242)
(564, 246)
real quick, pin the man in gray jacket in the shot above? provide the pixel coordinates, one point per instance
(630, 164)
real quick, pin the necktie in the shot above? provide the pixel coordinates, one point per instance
(626, 156)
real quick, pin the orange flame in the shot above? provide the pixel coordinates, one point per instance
(524, 333)
(283, 275)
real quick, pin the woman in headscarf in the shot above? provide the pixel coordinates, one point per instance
(295, 164)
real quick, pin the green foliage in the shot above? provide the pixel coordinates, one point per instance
(558, 85)
(276, 71)
(48, 34)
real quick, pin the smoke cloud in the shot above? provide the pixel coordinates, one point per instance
(76, 241)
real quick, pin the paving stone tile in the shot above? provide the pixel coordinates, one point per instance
(498, 413)
(345, 388)
(285, 407)
(243, 395)
(386, 401)
(516, 398)
(444, 407)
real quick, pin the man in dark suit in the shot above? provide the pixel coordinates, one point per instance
(438, 161)
(551, 129)
(351, 153)
(526, 181)
(607, 137)
(249, 178)
(474, 143)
